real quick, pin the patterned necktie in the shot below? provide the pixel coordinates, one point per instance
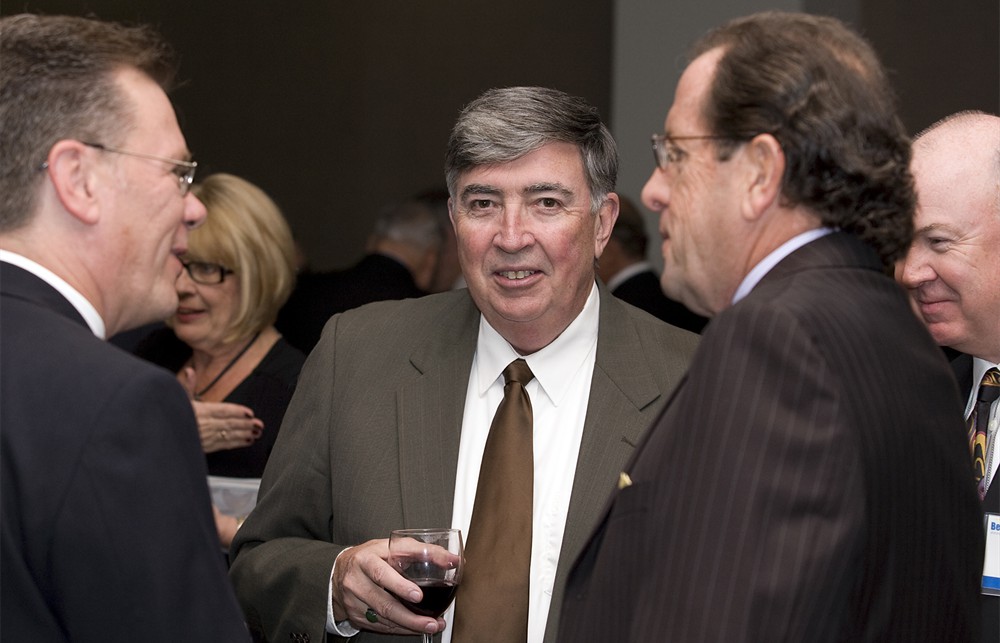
(492, 601)
(989, 390)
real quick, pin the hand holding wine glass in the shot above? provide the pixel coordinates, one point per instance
(433, 560)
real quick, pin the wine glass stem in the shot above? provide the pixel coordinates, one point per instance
(428, 638)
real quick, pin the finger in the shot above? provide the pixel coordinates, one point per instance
(226, 411)
(385, 585)
(381, 618)
(236, 439)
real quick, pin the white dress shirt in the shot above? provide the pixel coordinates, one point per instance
(559, 394)
(84, 307)
(765, 265)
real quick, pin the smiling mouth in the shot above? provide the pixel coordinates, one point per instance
(516, 274)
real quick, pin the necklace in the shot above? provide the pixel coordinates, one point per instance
(218, 377)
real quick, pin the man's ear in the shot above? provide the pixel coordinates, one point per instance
(606, 217)
(765, 162)
(72, 170)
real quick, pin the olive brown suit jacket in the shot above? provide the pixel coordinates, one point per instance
(370, 444)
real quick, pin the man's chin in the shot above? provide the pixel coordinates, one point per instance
(944, 334)
(156, 307)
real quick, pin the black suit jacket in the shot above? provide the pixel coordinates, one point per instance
(106, 527)
(808, 481)
(321, 295)
(643, 291)
(962, 367)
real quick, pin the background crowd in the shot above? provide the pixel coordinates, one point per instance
(763, 440)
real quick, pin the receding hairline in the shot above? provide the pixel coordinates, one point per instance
(969, 133)
(966, 120)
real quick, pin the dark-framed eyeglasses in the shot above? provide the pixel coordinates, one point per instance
(183, 169)
(205, 273)
(665, 152)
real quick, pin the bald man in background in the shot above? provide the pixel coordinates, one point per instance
(953, 274)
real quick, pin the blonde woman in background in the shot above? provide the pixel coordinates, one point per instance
(221, 341)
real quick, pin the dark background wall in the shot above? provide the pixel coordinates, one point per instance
(943, 56)
(337, 108)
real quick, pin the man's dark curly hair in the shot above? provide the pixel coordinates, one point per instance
(819, 89)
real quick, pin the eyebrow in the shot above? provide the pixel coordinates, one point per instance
(934, 227)
(478, 188)
(548, 187)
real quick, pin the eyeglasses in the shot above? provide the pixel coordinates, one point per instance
(207, 274)
(184, 169)
(665, 152)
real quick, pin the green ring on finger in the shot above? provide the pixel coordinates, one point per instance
(371, 616)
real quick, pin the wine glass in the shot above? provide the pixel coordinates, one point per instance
(433, 559)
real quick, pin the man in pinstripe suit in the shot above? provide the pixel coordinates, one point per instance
(809, 479)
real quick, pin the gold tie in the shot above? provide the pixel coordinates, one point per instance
(492, 601)
(988, 392)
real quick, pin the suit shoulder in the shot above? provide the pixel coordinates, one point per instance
(653, 329)
(409, 315)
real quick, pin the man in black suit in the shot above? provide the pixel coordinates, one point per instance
(106, 529)
(401, 259)
(623, 267)
(808, 481)
(953, 274)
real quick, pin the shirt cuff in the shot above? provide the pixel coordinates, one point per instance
(343, 628)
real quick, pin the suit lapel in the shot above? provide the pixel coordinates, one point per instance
(430, 408)
(623, 385)
(961, 366)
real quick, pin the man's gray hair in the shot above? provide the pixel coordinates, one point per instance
(502, 125)
(411, 222)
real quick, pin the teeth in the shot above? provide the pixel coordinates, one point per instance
(517, 274)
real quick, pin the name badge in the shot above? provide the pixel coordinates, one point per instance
(991, 562)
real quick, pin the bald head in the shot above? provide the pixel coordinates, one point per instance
(966, 145)
(953, 268)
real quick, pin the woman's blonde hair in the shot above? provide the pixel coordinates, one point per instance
(246, 232)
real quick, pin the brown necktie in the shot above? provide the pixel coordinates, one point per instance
(492, 601)
(988, 392)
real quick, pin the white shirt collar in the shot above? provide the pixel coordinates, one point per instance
(84, 307)
(554, 365)
(979, 368)
(770, 261)
(627, 273)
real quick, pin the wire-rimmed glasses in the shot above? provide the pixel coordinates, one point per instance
(665, 152)
(184, 169)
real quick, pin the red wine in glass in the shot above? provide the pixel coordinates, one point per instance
(438, 595)
(433, 559)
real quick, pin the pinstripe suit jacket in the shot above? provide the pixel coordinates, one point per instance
(808, 481)
(370, 444)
